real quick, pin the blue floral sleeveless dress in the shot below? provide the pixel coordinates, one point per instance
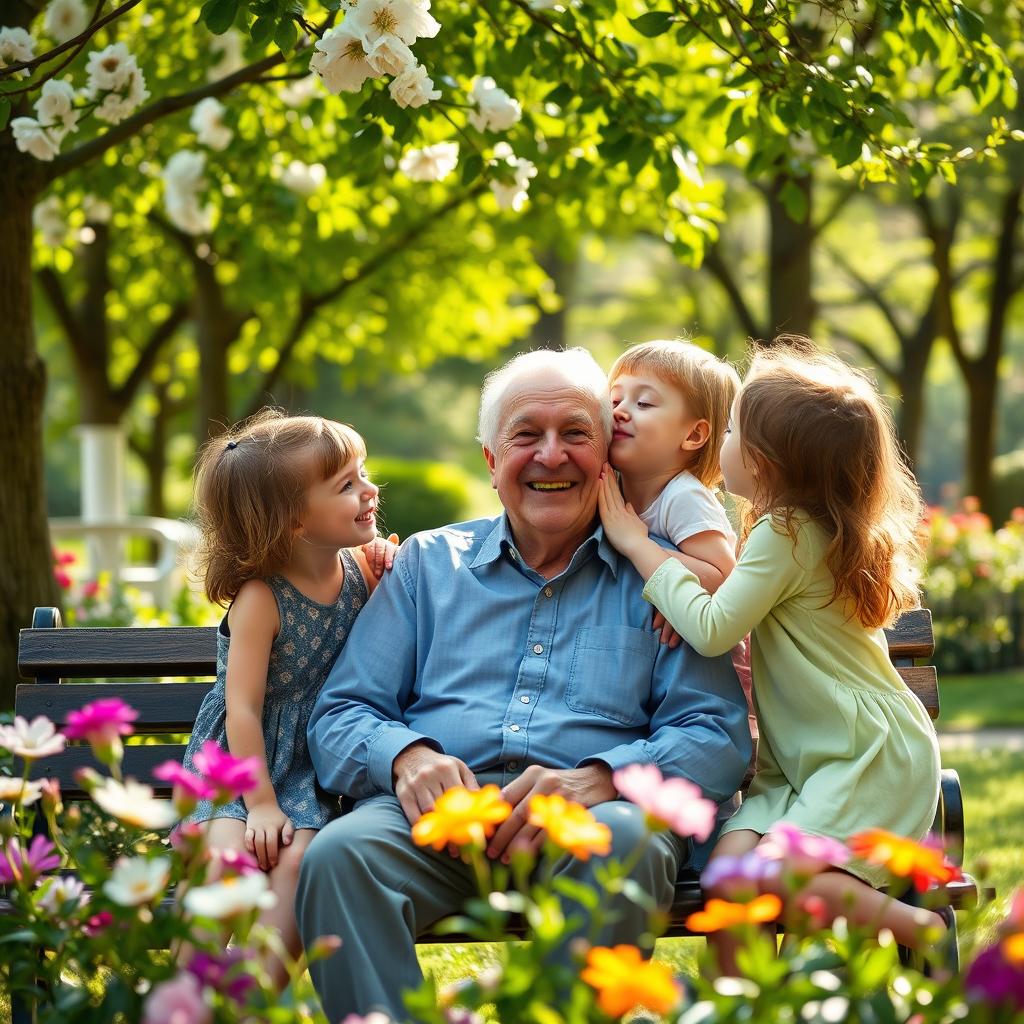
(311, 637)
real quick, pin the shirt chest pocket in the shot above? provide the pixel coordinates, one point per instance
(610, 675)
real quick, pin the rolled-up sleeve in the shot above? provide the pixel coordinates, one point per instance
(356, 728)
(699, 727)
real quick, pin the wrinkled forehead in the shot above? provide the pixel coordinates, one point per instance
(552, 398)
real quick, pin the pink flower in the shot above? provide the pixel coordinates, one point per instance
(50, 789)
(90, 588)
(178, 1001)
(97, 923)
(741, 874)
(230, 776)
(102, 722)
(189, 789)
(62, 578)
(804, 853)
(675, 803)
(17, 864)
(64, 557)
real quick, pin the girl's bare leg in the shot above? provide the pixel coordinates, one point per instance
(284, 879)
(723, 944)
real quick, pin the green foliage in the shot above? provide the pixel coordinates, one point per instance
(419, 495)
(1008, 484)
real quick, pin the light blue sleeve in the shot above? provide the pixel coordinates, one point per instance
(356, 730)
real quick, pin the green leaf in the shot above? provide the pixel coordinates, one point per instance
(654, 23)
(287, 35)
(5, 113)
(629, 52)
(662, 70)
(262, 30)
(794, 199)
(560, 95)
(969, 22)
(219, 15)
(472, 168)
(367, 138)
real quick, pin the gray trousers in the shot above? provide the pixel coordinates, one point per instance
(364, 880)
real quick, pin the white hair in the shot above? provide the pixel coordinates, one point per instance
(575, 365)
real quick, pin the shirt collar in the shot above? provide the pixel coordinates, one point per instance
(500, 540)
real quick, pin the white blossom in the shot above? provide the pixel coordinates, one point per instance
(303, 179)
(388, 55)
(48, 220)
(183, 180)
(413, 88)
(512, 196)
(108, 70)
(19, 790)
(116, 106)
(340, 60)
(496, 110)
(96, 210)
(56, 890)
(230, 896)
(55, 108)
(137, 880)
(32, 138)
(207, 121)
(407, 19)
(298, 92)
(431, 163)
(134, 803)
(16, 47)
(229, 46)
(65, 19)
(31, 740)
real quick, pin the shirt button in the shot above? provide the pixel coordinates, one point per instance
(548, 592)
(513, 765)
(538, 648)
(514, 728)
(525, 700)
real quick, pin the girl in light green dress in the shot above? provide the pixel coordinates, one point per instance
(827, 563)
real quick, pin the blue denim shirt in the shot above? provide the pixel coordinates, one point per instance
(466, 647)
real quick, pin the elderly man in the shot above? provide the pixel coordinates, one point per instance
(515, 650)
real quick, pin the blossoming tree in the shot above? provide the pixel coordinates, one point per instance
(540, 97)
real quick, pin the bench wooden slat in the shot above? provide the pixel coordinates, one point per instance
(162, 707)
(139, 762)
(911, 635)
(923, 681)
(118, 652)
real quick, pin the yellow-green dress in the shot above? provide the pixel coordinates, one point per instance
(845, 745)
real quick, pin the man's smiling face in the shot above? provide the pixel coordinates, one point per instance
(547, 461)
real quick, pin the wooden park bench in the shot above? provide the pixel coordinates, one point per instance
(49, 655)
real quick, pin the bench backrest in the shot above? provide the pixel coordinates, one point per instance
(49, 654)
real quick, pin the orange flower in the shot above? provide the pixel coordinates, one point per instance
(624, 981)
(719, 914)
(570, 826)
(1013, 948)
(461, 816)
(923, 862)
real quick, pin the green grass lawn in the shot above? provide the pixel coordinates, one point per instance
(976, 701)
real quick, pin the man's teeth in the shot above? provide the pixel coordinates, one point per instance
(558, 485)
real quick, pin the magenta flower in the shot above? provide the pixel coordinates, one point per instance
(98, 923)
(102, 722)
(805, 854)
(230, 776)
(673, 803)
(741, 874)
(225, 974)
(189, 789)
(177, 1001)
(17, 864)
(234, 862)
(994, 978)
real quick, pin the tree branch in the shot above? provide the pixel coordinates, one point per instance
(868, 349)
(50, 284)
(834, 210)
(150, 351)
(718, 268)
(871, 293)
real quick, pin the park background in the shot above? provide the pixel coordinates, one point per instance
(719, 172)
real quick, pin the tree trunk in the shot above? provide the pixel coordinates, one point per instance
(791, 304)
(982, 393)
(208, 315)
(26, 569)
(550, 329)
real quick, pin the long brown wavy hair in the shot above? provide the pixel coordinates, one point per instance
(825, 447)
(250, 490)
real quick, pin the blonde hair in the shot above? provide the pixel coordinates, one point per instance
(250, 490)
(824, 443)
(708, 384)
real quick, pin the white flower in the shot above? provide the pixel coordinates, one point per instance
(55, 107)
(407, 19)
(109, 69)
(31, 740)
(388, 55)
(137, 880)
(497, 111)
(65, 19)
(184, 171)
(432, 163)
(116, 106)
(134, 803)
(230, 896)
(303, 179)
(412, 88)
(207, 121)
(514, 196)
(546, 5)
(16, 47)
(31, 137)
(18, 790)
(48, 220)
(229, 46)
(96, 210)
(298, 92)
(183, 179)
(56, 890)
(340, 60)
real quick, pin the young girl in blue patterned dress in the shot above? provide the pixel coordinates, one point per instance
(288, 523)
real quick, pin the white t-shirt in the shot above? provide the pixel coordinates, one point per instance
(685, 508)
